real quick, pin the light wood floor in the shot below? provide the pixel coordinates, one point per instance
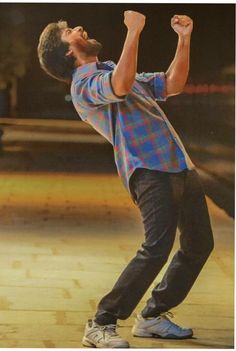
(64, 241)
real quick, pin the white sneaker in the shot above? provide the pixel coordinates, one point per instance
(159, 327)
(102, 336)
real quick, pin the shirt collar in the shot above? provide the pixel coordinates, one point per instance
(87, 69)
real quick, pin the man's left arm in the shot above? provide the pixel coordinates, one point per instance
(177, 73)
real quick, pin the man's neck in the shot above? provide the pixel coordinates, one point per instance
(81, 62)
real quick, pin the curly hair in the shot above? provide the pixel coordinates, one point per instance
(52, 52)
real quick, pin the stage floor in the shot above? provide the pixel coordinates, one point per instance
(64, 240)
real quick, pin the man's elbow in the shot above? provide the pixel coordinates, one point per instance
(174, 86)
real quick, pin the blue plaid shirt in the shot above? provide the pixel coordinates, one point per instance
(141, 134)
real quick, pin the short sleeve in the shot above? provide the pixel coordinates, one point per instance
(94, 90)
(156, 82)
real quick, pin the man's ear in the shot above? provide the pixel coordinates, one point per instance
(69, 52)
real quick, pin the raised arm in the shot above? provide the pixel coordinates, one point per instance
(177, 73)
(124, 74)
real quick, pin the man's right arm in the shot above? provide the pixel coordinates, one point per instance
(123, 75)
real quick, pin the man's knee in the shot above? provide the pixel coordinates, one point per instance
(155, 254)
(207, 245)
(200, 251)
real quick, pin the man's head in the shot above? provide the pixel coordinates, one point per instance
(61, 49)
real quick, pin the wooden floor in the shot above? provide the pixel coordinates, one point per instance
(64, 241)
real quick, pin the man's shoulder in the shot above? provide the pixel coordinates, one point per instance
(84, 71)
(90, 69)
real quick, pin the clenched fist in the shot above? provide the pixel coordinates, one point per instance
(182, 25)
(134, 21)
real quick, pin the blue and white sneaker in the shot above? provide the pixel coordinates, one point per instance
(160, 327)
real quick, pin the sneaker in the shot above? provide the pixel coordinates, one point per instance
(102, 336)
(160, 327)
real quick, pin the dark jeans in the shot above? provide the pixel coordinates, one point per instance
(165, 200)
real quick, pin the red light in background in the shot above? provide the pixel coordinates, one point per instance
(209, 89)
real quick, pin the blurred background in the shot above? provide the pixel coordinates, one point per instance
(40, 130)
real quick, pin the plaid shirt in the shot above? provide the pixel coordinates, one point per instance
(141, 134)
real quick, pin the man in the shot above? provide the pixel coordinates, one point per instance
(152, 163)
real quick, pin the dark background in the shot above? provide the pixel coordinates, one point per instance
(212, 48)
(204, 121)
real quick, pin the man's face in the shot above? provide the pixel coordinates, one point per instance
(78, 39)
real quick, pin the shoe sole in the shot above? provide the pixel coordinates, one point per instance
(86, 342)
(142, 334)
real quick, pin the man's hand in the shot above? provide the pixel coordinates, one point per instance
(134, 21)
(182, 25)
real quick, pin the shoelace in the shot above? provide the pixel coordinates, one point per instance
(110, 328)
(171, 315)
(167, 314)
